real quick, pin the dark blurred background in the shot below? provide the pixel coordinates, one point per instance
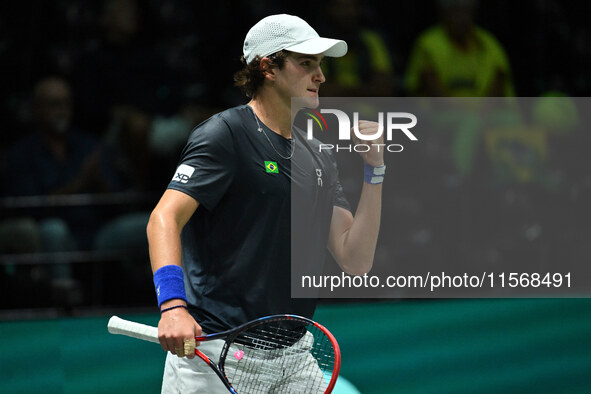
(98, 98)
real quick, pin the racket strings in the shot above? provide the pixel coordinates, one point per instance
(271, 358)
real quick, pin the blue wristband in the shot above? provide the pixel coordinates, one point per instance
(374, 175)
(169, 283)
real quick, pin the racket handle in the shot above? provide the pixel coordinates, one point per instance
(132, 329)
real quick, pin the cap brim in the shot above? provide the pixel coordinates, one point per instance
(320, 45)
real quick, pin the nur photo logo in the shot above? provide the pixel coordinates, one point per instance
(389, 125)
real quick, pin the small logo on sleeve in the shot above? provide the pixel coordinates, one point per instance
(271, 167)
(319, 175)
(183, 173)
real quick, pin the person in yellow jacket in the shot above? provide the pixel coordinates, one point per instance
(457, 58)
(366, 70)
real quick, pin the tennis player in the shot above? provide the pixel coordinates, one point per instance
(220, 237)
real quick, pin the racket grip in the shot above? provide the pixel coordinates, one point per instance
(120, 326)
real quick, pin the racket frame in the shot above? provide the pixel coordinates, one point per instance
(141, 331)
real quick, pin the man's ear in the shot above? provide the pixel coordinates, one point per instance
(267, 68)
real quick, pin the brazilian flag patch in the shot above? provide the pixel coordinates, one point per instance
(271, 167)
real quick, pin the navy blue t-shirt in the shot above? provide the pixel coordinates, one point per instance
(237, 247)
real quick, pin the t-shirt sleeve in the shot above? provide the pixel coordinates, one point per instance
(339, 198)
(207, 163)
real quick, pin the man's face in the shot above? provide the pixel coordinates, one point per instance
(53, 106)
(301, 76)
(459, 21)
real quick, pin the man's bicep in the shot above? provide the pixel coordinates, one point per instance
(176, 205)
(164, 228)
(341, 222)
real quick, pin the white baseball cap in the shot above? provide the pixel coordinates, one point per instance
(277, 32)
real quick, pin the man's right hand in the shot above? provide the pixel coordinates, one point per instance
(177, 330)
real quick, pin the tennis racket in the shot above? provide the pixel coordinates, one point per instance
(279, 354)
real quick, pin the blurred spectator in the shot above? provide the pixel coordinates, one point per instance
(26, 33)
(128, 150)
(366, 70)
(57, 159)
(457, 58)
(139, 168)
(54, 159)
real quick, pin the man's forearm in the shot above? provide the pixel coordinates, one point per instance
(356, 246)
(164, 243)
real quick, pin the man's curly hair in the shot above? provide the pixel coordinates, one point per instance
(251, 77)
